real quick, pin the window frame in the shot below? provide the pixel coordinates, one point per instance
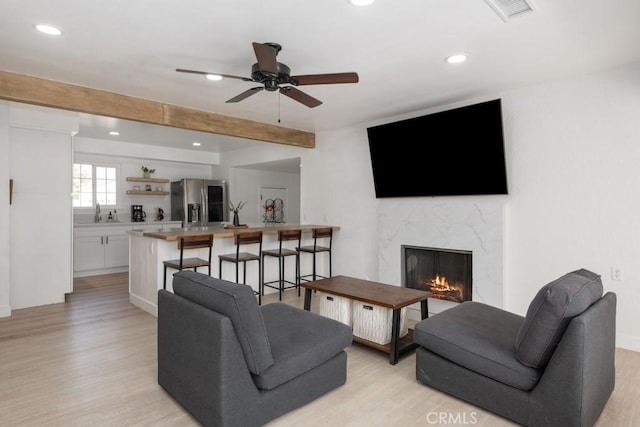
(94, 179)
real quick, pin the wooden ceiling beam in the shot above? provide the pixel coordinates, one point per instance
(50, 93)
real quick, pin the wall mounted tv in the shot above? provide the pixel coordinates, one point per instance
(458, 152)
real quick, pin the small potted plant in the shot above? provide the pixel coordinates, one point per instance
(146, 172)
(235, 209)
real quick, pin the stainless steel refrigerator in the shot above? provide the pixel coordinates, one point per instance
(199, 202)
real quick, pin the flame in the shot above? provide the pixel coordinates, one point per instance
(442, 289)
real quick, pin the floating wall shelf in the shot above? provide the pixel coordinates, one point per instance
(148, 193)
(148, 181)
(155, 180)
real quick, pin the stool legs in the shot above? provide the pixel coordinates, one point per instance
(281, 275)
(244, 276)
(314, 272)
(298, 273)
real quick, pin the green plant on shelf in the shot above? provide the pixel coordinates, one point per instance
(146, 172)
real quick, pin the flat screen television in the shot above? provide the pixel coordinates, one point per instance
(458, 152)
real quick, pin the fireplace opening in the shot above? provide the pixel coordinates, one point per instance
(446, 273)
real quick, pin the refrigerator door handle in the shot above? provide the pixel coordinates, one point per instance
(205, 205)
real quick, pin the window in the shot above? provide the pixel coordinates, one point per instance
(94, 184)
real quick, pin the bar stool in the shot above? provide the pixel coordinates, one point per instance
(325, 235)
(188, 243)
(281, 254)
(243, 239)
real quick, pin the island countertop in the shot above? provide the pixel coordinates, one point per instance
(148, 249)
(220, 231)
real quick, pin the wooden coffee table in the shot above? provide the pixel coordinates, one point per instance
(388, 296)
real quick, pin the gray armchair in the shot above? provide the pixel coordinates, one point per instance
(554, 367)
(230, 362)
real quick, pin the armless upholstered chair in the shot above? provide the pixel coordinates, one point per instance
(554, 367)
(230, 362)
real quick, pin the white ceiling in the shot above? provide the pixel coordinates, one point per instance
(397, 48)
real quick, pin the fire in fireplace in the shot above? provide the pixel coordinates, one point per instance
(445, 273)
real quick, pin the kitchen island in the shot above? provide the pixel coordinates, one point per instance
(149, 248)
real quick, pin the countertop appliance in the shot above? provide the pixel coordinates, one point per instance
(137, 214)
(199, 202)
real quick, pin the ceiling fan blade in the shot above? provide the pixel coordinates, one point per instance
(300, 96)
(326, 79)
(246, 94)
(266, 56)
(204, 73)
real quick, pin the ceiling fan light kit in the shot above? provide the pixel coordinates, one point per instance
(456, 58)
(48, 29)
(276, 76)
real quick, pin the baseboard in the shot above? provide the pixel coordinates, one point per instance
(5, 310)
(143, 304)
(100, 271)
(628, 342)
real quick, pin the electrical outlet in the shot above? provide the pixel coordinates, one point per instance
(616, 273)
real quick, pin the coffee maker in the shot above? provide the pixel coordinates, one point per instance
(137, 214)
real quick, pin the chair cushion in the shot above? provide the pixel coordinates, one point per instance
(480, 338)
(551, 311)
(238, 303)
(300, 341)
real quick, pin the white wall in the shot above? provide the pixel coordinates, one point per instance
(245, 184)
(337, 189)
(573, 154)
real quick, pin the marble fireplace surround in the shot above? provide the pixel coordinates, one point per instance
(472, 223)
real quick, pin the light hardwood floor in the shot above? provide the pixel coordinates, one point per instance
(92, 362)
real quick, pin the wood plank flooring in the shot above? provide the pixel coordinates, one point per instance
(92, 362)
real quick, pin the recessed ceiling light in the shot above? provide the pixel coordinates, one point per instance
(114, 133)
(360, 2)
(196, 144)
(48, 29)
(214, 77)
(457, 58)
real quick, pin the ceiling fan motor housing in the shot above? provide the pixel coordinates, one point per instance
(272, 81)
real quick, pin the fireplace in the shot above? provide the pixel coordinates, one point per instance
(446, 273)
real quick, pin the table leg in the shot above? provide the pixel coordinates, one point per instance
(395, 337)
(307, 299)
(424, 308)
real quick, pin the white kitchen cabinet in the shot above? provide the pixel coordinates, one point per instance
(103, 248)
(116, 250)
(88, 253)
(100, 250)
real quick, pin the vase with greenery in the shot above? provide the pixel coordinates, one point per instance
(235, 209)
(146, 172)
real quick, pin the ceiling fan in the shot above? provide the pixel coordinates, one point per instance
(274, 75)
